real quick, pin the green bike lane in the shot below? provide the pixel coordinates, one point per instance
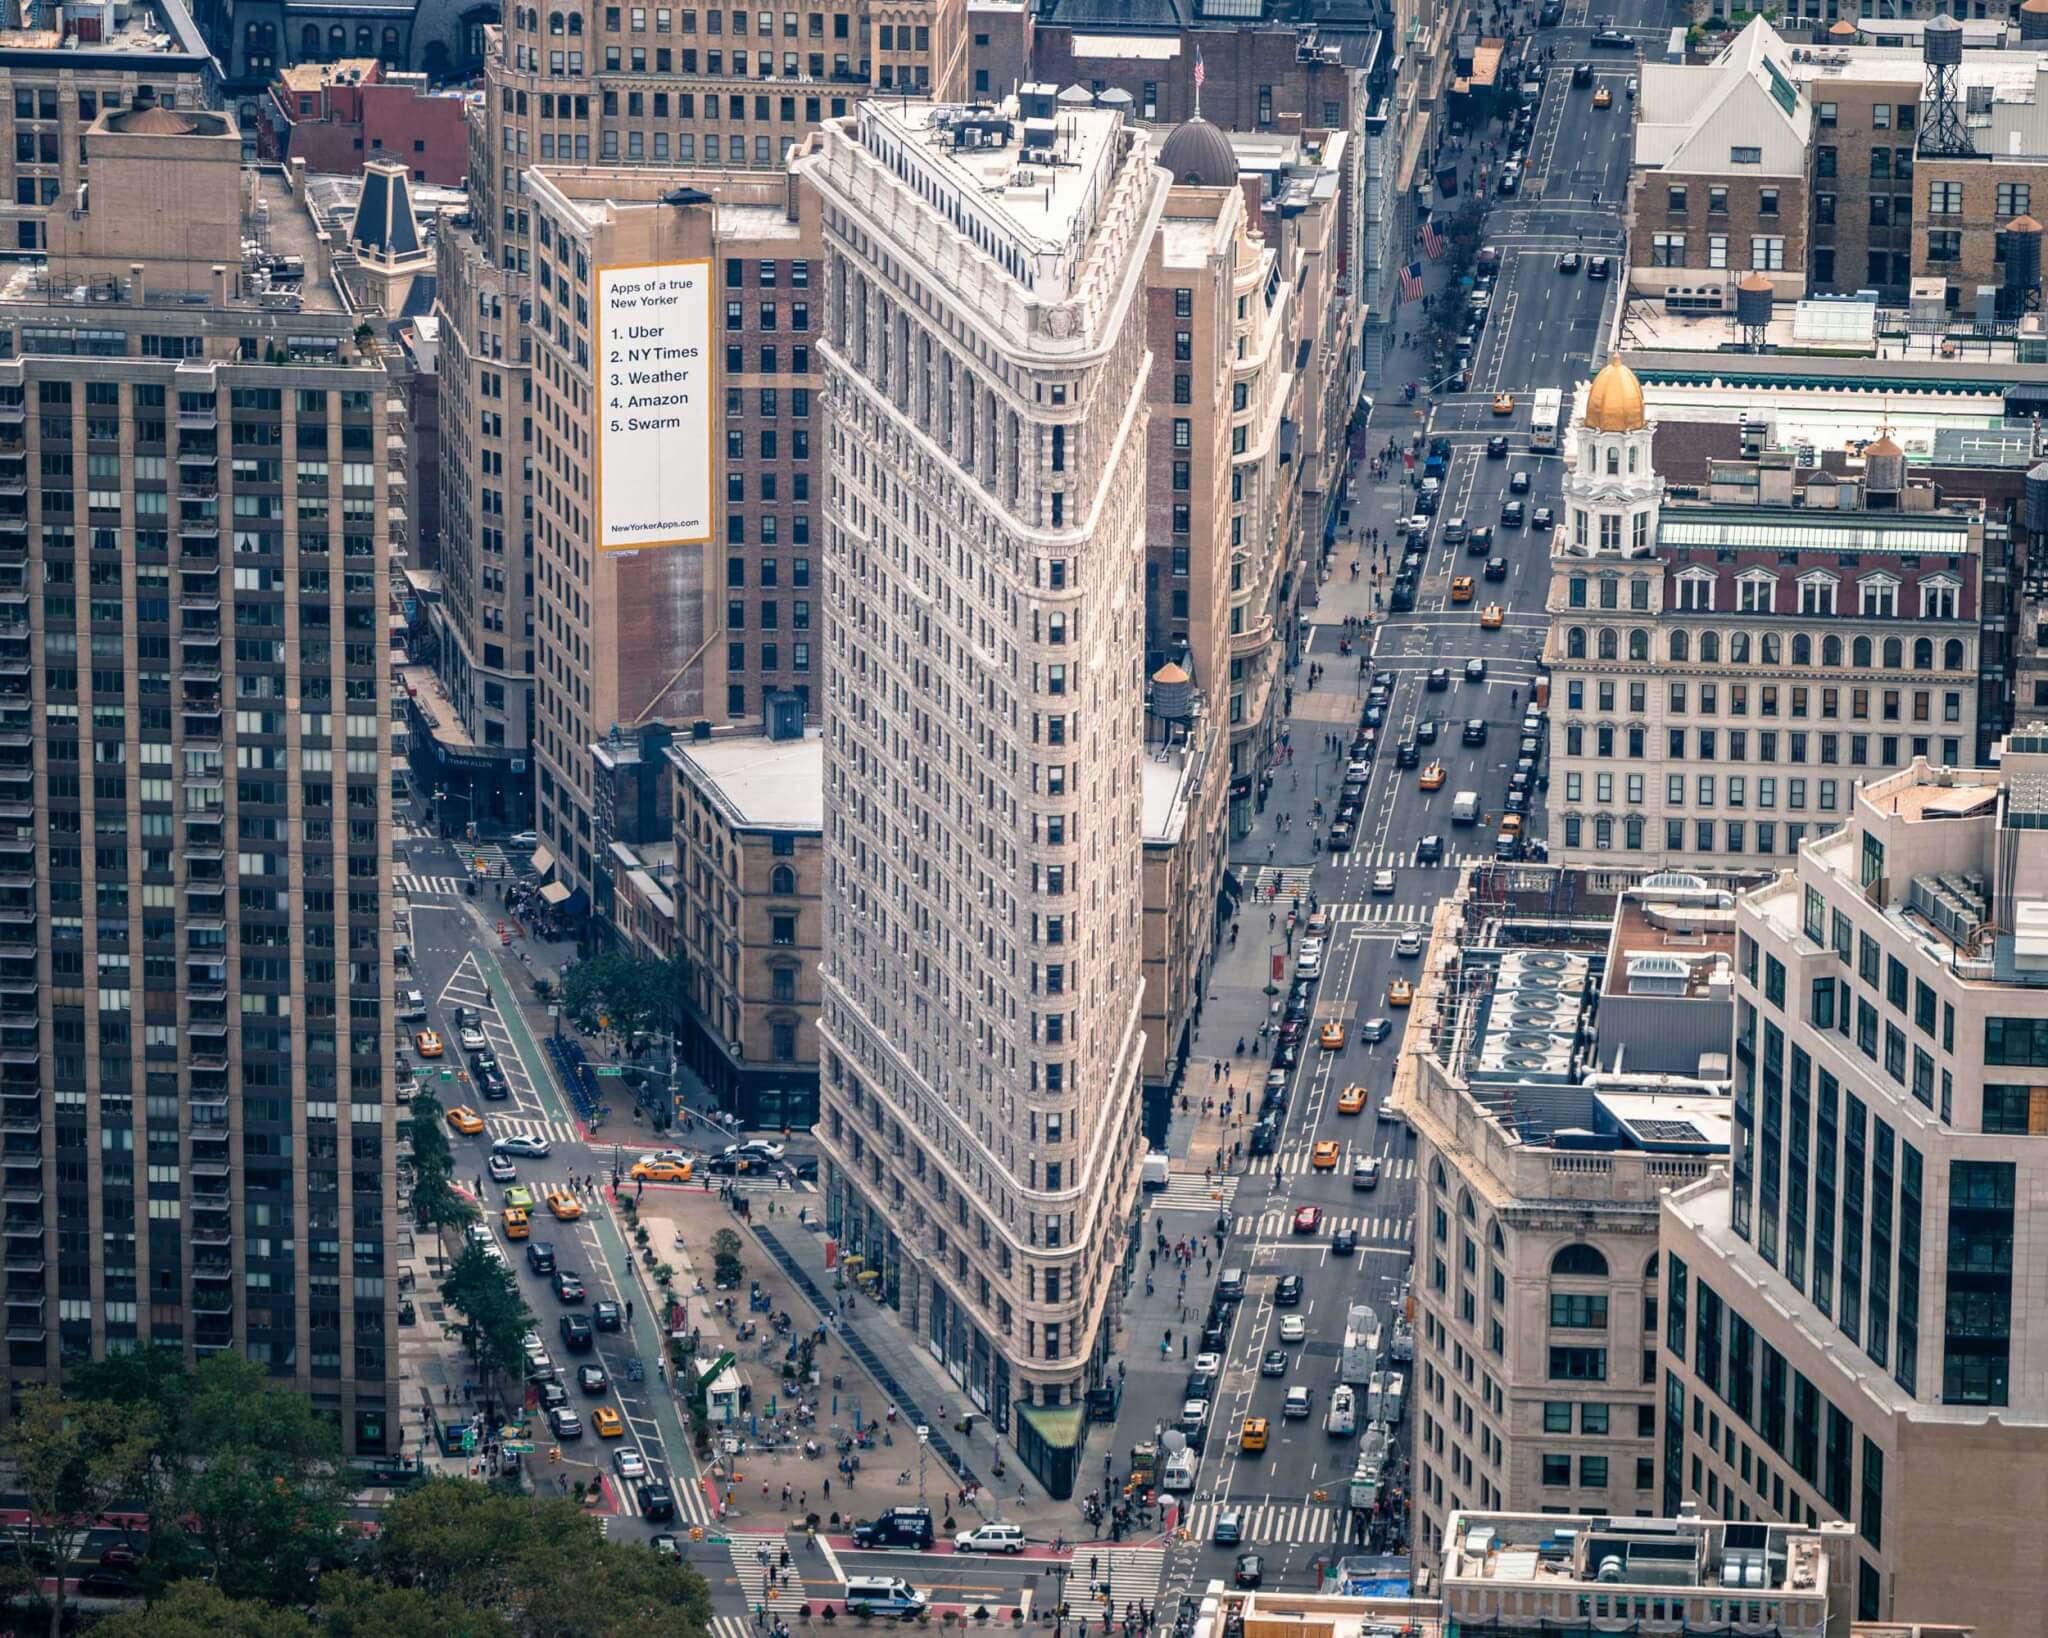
(622, 1268)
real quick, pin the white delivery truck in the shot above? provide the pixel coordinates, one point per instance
(1361, 1345)
(1154, 1172)
(1396, 1401)
(1465, 808)
(1341, 1420)
(1376, 1398)
(1179, 1473)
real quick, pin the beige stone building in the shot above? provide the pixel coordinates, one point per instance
(983, 1047)
(1847, 1327)
(1724, 670)
(195, 737)
(749, 917)
(1540, 1160)
(55, 82)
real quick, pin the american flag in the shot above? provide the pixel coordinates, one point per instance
(1200, 73)
(1411, 281)
(1432, 240)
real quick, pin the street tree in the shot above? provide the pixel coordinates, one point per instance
(543, 1565)
(725, 1257)
(434, 1199)
(198, 1609)
(494, 1316)
(73, 1461)
(628, 994)
(260, 1494)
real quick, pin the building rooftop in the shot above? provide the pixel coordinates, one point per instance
(117, 33)
(1168, 785)
(1672, 937)
(1797, 528)
(761, 783)
(430, 698)
(1023, 180)
(1741, 114)
(1658, 1556)
(342, 71)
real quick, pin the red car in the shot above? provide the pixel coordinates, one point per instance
(1308, 1219)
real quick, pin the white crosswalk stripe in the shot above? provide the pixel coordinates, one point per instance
(551, 1131)
(772, 1184)
(428, 886)
(1189, 1191)
(1274, 1523)
(1393, 1168)
(1291, 879)
(1389, 1229)
(1398, 858)
(752, 1552)
(1133, 1574)
(1379, 913)
(734, 1626)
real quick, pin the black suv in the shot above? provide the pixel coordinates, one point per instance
(1265, 1137)
(899, 1527)
(540, 1256)
(1287, 1294)
(576, 1333)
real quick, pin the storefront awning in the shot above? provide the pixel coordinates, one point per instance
(543, 861)
(555, 893)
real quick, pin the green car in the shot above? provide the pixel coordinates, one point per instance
(519, 1195)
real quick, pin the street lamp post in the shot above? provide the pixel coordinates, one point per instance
(924, 1436)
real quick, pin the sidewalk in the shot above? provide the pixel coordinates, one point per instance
(865, 1366)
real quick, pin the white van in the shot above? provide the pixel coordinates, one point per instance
(883, 1595)
(1155, 1171)
(1341, 1420)
(1179, 1472)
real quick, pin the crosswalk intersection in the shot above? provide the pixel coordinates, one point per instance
(1378, 912)
(1403, 858)
(1293, 881)
(1393, 1168)
(752, 1553)
(1188, 1191)
(1132, 1574)
(426, 887)
(1274, 1523)
(548, 1131)
(1371, 1229)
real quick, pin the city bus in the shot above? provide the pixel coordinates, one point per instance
(1549, 409)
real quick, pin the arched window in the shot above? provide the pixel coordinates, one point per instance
(363, 38)
(1773, 648)
(391, 45)
(1613, 462)
(555, 23)
(1650, 1270)
(1894, 653)
(1639, 644)
(1923, 654)
(1831, 653)
(1465, 1206)
(1681, 646)
(1609, 646)
(1710, 648)
(337, 41)
(1497, 1240)
(1631, 457)
(1579, 1260)
(1859, 653)
(782, 880)
(1575, 643)
(1952, 654)
(575, 22)
(1437, 1180)
(1802, 649)
(309, 40)
(1738, 648)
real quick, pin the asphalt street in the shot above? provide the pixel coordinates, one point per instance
(1545, 328)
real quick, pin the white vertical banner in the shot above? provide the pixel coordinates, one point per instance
(654, 451)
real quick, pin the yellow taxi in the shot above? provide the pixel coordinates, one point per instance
(517, 1225)
(1253, 1436)
(1324, 1157)
(428, 1044)
(1432, 777)
(565, 1205)
(1491, 616)
(1461, 588)
(1603, 98)
(1331, 1037)
(465, 1120)
(608, 1423)
(1503, 403)
(660, 1171)
(1511, 824)
(1351, 1101)
(1400, 993)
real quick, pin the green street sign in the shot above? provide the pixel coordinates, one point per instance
(611, 1069)
(524, 1446)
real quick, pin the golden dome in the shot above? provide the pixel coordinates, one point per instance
(1615, 402)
